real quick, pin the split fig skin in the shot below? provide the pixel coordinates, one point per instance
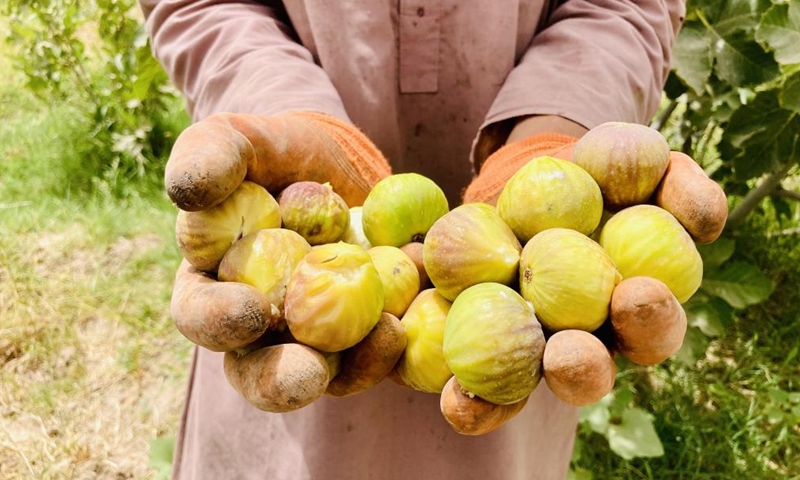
(578, 368)
(468, 245)
(648, 321)
(627, 161)
(334, 297)
(314, 211)
(204, 236)
(368, 362)
(472, 415)
(697, 201)
(265, 259)
(280, 378)
(355, 231)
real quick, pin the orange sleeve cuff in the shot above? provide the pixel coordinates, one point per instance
(502, 164)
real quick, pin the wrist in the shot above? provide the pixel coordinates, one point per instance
(535, 124)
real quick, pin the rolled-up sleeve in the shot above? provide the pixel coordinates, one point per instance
(237, 56)
(593, 62)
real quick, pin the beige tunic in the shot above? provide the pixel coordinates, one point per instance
(432, 83)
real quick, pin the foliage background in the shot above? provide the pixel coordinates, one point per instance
(87, 255)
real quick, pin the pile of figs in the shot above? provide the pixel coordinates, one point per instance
(577, 262)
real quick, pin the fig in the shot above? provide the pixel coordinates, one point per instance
(695, 200)
(648, 321)
(265, 259)
(401, 208)
(493, 343)
(399, 277)
(471, 415)
(204, 236)
(645, 240)
(414, 252)
(468, 245)
(278, 378)
(422, 366)
(568, 278)
(355, 231)
(627, 160)
(549, 192)
(314, 211)
(368, 362)
(334, 297)
(578, 368)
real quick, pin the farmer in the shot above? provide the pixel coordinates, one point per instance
(463, 92)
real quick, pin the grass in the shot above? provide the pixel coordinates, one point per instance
(91, 367)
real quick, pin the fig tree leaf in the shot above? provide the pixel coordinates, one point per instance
(761, 136)
(729, 16)
(710, 315)
(580, 474)
(741, 61)
(740, 284)
(597, 415)
(693, 348)
(635, 436)
(780, 30)
(692, 58)
(717, 253)
(789, 96)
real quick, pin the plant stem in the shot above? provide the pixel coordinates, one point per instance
(783, 192)
(754, 196)
(663, 117)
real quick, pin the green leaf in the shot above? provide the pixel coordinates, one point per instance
(774, 415)
(597, 415)
(709, 315)
(692, 58)
(161, 451)
(741, 284)
(693, 347)
(761, 136)
(579, 474)
(716, 253)
(789, 96)
(729, 16)
(635, 436)
(794, 397)
(780, 30)
(779, 395)
(741, 61)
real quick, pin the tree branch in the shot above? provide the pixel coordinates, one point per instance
(662, 118)
(783, 192)
(754, 196)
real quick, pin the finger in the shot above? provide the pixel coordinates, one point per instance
(220, 316)
(208, 161)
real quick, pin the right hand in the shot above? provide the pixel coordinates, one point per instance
(211, 158)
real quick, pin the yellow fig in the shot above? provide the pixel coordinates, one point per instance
(399, 276)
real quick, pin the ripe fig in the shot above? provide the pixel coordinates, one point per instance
(695, 200)
(469, 245)
(471, 415)
(399, 277)
(401, 208)
(422, 366)
(334, 297)
(414, 252)
(493, 343)
(550, 193)
(578, 368)
(314, 211)
(568, 278)
(355, 231)
(204, 236)
(645, 240)
(627, 160)
(648, 321)
(265, 259)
